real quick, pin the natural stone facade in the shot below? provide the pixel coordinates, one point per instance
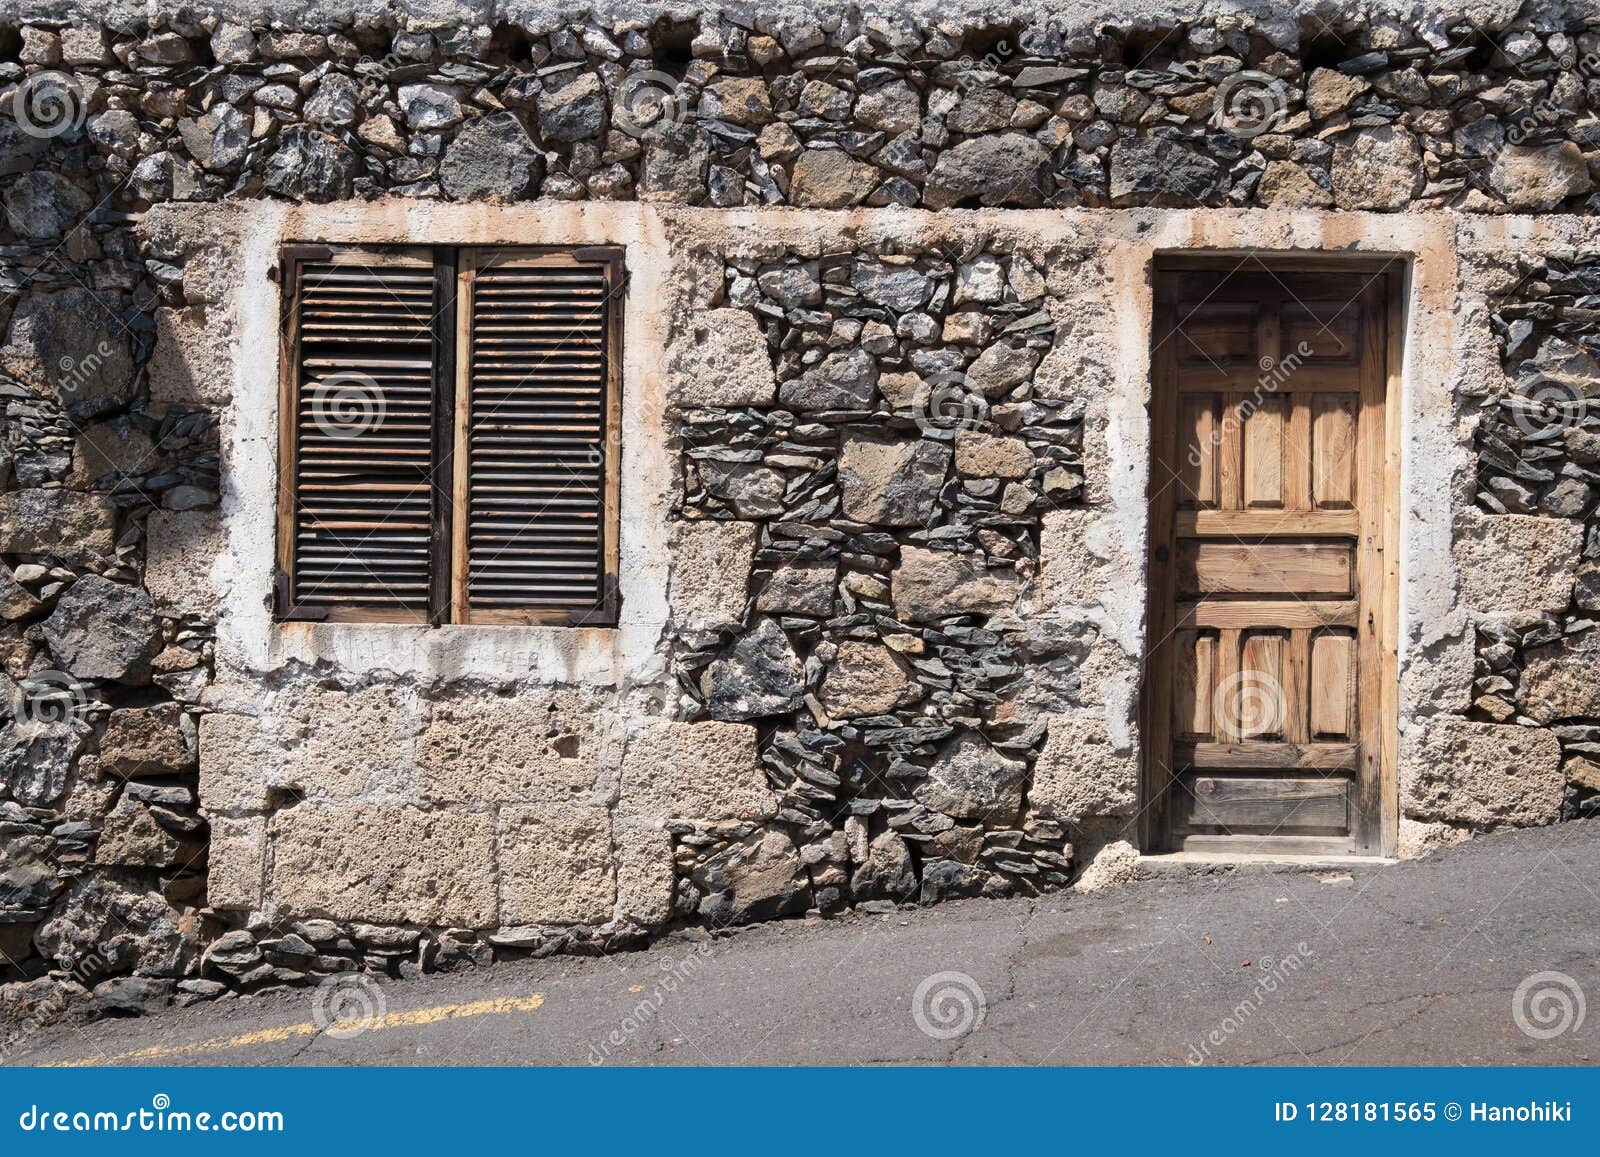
(883, 595)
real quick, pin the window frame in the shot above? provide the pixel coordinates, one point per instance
(454, 267)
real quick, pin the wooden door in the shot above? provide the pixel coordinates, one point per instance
(1266, 715)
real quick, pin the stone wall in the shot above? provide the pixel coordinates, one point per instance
(889, 482)
(1538, 451)
(884, 635)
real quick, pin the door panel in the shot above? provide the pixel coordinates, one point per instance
(1261, 566)
(1268, 513)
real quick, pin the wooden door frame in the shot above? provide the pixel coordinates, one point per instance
(1155, 694)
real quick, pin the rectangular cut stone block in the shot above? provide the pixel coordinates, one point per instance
(721, 359)
(388, 864)
(182, 545)
(931, 584)
(1483, 774)
(315, 742)
(536, 744)
(645, 878)
(1512, 564)
(1563, 679)
(233, 763)
(333, 743)
(1079, 773)
(1070, 573)
(233, 869)
(703, 771)
(555, 864)
(711, 574)
(193, 358)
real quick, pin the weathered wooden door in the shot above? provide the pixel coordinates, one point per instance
(1268, 723)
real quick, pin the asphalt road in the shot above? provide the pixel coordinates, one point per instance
(1414, 963)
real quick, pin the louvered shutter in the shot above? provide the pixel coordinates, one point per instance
(359, 427)
(536, 399)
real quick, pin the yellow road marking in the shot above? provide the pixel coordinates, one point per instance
(267, 1036)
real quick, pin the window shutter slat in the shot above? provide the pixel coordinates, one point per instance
(542, 336)
(364, 414)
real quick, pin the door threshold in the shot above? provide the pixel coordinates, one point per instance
(1224, 859)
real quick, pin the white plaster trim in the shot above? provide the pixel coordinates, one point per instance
(250, 643)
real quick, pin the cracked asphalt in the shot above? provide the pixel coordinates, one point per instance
(1412, 963)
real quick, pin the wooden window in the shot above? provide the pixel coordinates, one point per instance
(448, 435)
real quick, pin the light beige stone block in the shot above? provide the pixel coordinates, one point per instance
(711, 574)
(1512, 564)
(721, 359)
(645, 877)
(388, 864)
(555, 864)
(182, 547)
(703, 771)
(1070, 574)
(314, 742)
(234, 867)
(234, 763)
(1079, 773)
(335, 743)
(1485, 774)
(537, 744)
(193, 357)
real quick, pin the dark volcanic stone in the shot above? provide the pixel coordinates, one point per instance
(758, 675)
